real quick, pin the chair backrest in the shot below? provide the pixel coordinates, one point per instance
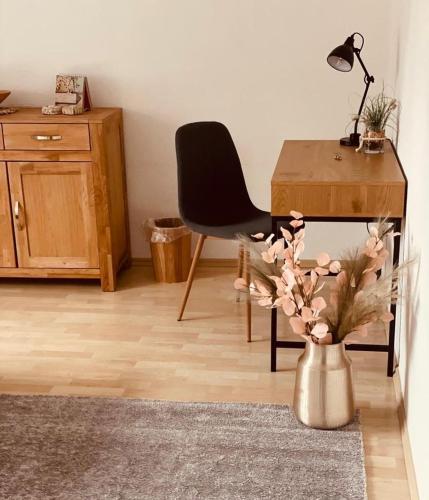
(212, 189)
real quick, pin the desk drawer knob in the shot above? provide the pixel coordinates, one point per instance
(47, 137)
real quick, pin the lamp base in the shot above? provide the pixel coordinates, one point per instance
(352, 141)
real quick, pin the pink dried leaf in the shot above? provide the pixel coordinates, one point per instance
(276, 248)
(299, 235)
(296, 223)
(279, 301)
(299, 248)
(318, 304)
(289, 307)
(307, 315)
(323, 259)
(296, 215)
(299, 301)
(286, 234)
(289, 277)
(335, 267)
(320, 330)
(269, 239)
(308, 287)
(298, 326)
(313, 276)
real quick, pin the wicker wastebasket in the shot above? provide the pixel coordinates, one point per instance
(170, 245)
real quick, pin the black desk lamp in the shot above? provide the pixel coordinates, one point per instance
(341, 59)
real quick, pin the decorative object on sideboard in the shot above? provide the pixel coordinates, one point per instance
(52, 109)
(341, 59)
(376, 116)
(4, 94)
(359, 296)
(72, 96)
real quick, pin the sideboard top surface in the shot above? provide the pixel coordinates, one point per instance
(34, 115)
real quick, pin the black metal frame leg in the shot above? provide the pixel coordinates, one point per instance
(392, 326)
(274, 230)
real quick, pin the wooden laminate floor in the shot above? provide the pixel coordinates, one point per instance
(69, 338)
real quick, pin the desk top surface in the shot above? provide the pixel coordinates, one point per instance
(313, 162)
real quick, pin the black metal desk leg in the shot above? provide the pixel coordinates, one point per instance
(392, 325)
(274, 230)
(273, 340)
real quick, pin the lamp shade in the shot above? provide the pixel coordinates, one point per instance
(341, 58)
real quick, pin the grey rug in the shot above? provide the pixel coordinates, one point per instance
(98, 448)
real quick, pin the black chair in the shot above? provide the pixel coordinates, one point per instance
(213, 198)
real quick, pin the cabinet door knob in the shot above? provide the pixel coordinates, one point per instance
(17, 214)
(47, 137)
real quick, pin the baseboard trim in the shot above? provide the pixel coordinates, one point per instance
(147, 262)
(406, 445)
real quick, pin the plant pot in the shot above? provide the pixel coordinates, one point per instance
(323, 387)
(373, 141)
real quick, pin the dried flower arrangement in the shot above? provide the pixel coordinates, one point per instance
(359, 296)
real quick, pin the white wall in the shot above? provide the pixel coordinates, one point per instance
(413, 92)
(258, 66)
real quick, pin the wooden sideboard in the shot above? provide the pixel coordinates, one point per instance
(63, 203)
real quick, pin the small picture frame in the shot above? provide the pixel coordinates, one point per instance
(72, 93)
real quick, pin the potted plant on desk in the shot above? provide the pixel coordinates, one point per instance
(359, 296)
(376, 116)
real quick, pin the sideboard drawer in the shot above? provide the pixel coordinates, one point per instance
(46, 136)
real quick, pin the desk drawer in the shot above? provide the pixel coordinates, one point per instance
(345, 200)
(46, 136)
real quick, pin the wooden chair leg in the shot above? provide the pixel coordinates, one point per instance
(240, 269)
(191, 274)
(246, 265)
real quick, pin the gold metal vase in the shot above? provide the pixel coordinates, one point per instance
(323, 387)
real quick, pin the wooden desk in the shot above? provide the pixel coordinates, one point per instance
(358, 188)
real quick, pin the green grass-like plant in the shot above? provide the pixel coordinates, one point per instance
(378, 112)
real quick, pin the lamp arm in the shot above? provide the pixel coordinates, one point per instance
(368, 79)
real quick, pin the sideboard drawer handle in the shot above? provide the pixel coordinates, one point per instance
(47, 137)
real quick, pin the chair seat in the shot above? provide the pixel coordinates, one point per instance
(258, 222)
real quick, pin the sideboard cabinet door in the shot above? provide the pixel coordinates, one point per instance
(7, 247)
(54, 215)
